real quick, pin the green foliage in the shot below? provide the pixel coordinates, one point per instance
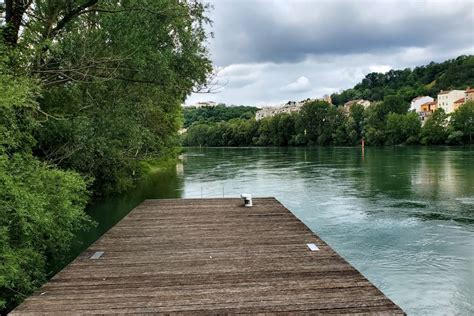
(114, 75)
(319, 123)
(435, 129)
(41, 207)
(388, 123)
(374, 124)
(236, 132)
(88, 90)
(276, 131)
(215, 114)
(395, 104)
(318, 119)
(402, 128)
(16, 113)
(107, 138)
(406, 84)
(462, 124)
(385, 122)
(356, 113)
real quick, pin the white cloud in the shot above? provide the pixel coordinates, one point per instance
(380, 68)
(299, 85)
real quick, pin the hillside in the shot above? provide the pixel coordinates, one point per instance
(408, 83)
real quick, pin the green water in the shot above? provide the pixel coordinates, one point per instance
(404, 217)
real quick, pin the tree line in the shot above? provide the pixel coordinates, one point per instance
(214, 114)
(319, 123)
(89, 89)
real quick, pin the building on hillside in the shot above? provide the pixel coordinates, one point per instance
(203, 104)
(469, 94)
(288, 107)
(416, 103)
(446, 99)
(269, 111)
(458, 103)
(426, 109)
(264, 112)
(362, 102)
(327, 98)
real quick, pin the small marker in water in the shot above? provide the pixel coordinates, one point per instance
(312, 247)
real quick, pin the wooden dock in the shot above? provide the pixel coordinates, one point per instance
(209, 256)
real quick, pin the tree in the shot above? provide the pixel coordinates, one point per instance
(318, 118)
(114, 75)
(409, 83)
(435, 129)
(134, 41)
(374, 124)
(282, 129)
(356, 117)
(216, 114)
(41, 207)
(462, 124)
(395, 104)
(402, 128)
(93, 87)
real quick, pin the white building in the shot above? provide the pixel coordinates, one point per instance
(269, 111)
(446, 99)
(416, 103)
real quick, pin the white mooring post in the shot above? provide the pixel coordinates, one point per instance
(247, 199)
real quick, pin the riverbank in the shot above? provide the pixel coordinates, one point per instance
(319, 123)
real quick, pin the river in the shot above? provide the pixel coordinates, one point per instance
(403, 216)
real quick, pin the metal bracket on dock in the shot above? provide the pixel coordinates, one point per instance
(97, 255)
(312, 247)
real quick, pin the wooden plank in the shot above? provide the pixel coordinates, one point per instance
(209, 256)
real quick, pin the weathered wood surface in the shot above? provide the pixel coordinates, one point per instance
(209, 256)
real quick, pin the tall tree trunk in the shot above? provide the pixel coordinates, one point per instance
(14, 11)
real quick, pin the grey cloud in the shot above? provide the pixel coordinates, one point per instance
(263, 47)
(264, 32)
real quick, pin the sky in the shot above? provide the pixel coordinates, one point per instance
(269, 52)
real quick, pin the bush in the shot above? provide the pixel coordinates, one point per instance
(462, 124)
(40, 210)
(41, 207)
(455, 138)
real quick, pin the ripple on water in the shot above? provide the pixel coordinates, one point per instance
(466, 200)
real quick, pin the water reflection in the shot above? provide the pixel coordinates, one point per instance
(411, 176)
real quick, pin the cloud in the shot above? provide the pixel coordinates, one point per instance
(282, 31)
(240, 75)
(262, 46)
(300, 85)
(380, 68)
